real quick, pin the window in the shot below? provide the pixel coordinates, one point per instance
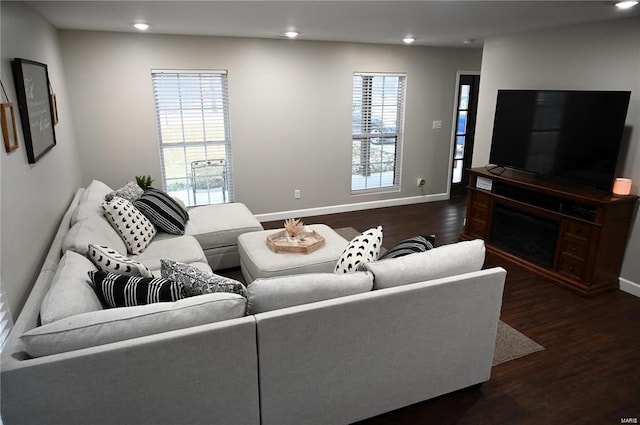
(461, 133)
(377, 119)
(5, 318)
(192, 112)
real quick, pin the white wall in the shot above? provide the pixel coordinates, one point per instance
(34, 196)
(602, 56)
(290, 110)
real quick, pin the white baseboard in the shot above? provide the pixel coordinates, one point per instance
(332, 209)
(629, 287)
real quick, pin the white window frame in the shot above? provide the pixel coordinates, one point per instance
(373, 123)
(194, 118)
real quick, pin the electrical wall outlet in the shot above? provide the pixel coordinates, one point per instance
(297, 194)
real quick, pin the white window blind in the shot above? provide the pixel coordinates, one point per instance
(5, 317)
(192, 111)
(377, 123)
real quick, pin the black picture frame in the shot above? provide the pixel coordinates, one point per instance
(36, 114)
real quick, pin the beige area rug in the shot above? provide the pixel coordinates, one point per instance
(349, 233)
(510, 343)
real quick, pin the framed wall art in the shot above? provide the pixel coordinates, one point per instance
(8, 123)
(36, 113)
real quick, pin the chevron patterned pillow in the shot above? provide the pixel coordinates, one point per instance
(133, 227)
(110, 260)
(362, 249)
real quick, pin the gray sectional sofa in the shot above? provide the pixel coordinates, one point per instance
(308, 349)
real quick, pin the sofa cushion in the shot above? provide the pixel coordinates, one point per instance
(410, 246)
(69, 293)
(184, 249)
(90, 203)
(110, 260)
(285, 291)
(195, 281)
(130, 191)
(163, 211)
(446, 260)
(133, 227)
(119, 324)
(116, 290)
(220, 225)
(95, 229)
(363, 248)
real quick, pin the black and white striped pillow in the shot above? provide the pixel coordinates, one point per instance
(115, 290)
(410, 246)
(163, 211)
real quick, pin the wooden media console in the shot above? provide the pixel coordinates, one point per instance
(573, 235)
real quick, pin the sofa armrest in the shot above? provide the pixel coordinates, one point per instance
(204, 374)
(350, 358)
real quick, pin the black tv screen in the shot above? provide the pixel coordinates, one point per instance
(572, 135)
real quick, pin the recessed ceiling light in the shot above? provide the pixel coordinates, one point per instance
(626, 4)
(291, 34)
(141, 26)
(408, 40)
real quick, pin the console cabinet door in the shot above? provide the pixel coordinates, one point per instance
(574, 250)
(478, 217)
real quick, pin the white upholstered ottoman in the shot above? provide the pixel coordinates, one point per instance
(258, 261)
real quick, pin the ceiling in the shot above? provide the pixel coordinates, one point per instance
(432, 23)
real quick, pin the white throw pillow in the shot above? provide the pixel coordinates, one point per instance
(362, 249)
(110, 260)
(285, 291)
(134, 228)
(443, 261)
(69, 293)
(119, 324)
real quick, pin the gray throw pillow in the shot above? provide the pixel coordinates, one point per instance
(286, 291)
(443, 261)
(197, 282)
(130, 191)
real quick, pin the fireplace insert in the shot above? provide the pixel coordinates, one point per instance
(524, 234)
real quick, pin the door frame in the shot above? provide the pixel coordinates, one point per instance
(454, 125)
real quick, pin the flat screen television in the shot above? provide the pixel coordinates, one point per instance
(565, 134)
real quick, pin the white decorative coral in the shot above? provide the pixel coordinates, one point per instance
(293, 227)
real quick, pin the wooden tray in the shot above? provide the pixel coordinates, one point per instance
(309, 242)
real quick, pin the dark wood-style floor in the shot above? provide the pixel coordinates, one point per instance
(589, 372)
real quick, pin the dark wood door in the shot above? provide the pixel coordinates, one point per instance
(465, 128)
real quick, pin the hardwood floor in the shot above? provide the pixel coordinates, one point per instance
(589, 372)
